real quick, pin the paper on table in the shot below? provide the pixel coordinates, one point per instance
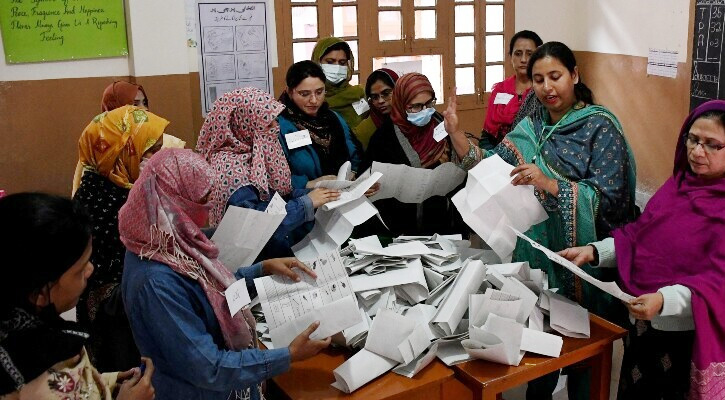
(411, 369)
(528, 298)
(451, 310)
(387, 332)
(409, 249)
(607, 287)
(567, 317)
(354, 191)
(492, 302)
(541, 342)
(499, 340)
(413, 273)
(243, 233)
(414, 185)
(360, 369)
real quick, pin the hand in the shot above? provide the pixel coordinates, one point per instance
(311, 184)
(138, 387)
(373, 189)
(646, 306)
(322, 196)
(530, 174)
(578, 255)
(303, 347)
(450, 116)
(283, 267)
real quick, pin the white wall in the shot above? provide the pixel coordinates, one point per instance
(628, 27)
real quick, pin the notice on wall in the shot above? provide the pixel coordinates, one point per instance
(233, 47)
(51, 30)
(662, 63)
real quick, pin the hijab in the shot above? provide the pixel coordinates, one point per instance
(343, 94)
(119, 94)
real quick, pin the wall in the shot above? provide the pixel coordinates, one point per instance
(611, 40)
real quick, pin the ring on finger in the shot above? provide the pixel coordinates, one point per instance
(528, 177)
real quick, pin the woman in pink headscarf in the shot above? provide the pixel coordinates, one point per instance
(673, 259)
(173, 289)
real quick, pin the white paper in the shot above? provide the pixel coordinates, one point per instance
(277, 205)
(354, 191)
(528, 298)
(360, 369)
(607, 287)
(417, 365)
(499, 340)
(414, 185)
(541, 343)
(567, 317)
(452, 352)
(298, 139)
(394, 250)
(451, 310)
(242, 234)
(388, 331)
(662, 63)
(502, 98)
(361, 106)
(237, 296)
(341, 182)
(492, 302)
(439, 132)
(413, 273)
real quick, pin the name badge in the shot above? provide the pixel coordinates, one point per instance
(439, 133)
(298, 139)
(502, 98)
(361, 107)
(237, 296)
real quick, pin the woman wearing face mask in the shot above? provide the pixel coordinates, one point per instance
(43, 356)
(336, 60)
(112, 149)
(379, 92)
(575, 156)
(306, 109)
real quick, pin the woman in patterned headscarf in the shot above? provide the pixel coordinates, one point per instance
(240, 139)
(111, 150)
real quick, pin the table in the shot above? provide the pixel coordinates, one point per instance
(488, 380)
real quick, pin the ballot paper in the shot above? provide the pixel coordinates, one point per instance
(492, 302)
(243, 233)
(354, 191)
(414, 185)
(607, 287)
(528, 298)
(567, 317)
(358, 331)
(341, 182)
(360, 369)
(413, 273)
(411, 369)
(490, 203)
(498, 340)
(409, 249)
(395, 337)
(541, 342)
(451, 310)
(290, 307)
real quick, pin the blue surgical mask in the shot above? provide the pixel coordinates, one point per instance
(422, 117)
(334, 73)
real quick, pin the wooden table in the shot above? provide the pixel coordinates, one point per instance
(488, 380)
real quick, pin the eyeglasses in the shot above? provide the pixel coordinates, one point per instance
(418, 107)
(385, 95)
(305, 94)
(691, 142)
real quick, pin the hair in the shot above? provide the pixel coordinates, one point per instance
(302, 70)
(716, 115)
(338, 46)
(530, 35)
(42, 236)
(564, 54)
(375, 76)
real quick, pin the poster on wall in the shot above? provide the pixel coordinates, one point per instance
(233, 46)
(52, 30)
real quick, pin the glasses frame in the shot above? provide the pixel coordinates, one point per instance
(311, 93)
(418, 107)
(374, 97)
(691, 144)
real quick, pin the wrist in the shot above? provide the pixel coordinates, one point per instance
(595, 255)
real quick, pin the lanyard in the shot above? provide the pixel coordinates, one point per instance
(543, 139)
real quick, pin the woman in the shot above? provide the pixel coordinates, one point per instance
(508, 96)
(43, 356)
(335, 58)
(240, 139)
(173, 288)
(112, 149)
(306, 109)
(407, 138)
(379, 92)
(675, 345)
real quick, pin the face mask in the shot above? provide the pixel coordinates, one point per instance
(334, 73)
(421, 118)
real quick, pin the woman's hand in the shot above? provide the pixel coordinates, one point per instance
(373, 189)
(311, 184)
(283, 267)
(530, 174)
(578, 255)
(450, 121)
(646, 306)
(303, 347)
(322, 196)
(137, 387)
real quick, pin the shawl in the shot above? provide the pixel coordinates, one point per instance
(162, 221)
(113, 144)
(679, 240)
(240, 139)
(119, 94)
(500, 117)
(421, 138)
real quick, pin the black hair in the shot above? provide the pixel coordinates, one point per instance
(375, 76)
(561, 52)
(302, 70)
(716, 115)
(531, 35)
(42, 236)
(338, 46)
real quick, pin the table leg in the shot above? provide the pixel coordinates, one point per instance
(601, 373)
(490, 395)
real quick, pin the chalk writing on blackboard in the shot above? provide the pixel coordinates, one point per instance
(707, 60)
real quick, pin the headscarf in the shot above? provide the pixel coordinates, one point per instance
(389, 77)
(421, 138)
(114, 143)
(240, 139)
(162, 221)
(119, 94)
(679, 240)
(341, 96)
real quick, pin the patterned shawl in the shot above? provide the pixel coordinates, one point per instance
(679, 240)
(162, 221)
(421, 138)
(240, 139)
(114, 143)
(119, 94)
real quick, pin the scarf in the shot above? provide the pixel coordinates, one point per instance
(113, 144)
(162, 221)
(679, 240)
(119, 94)
(240, 139)
(421, 138)
(389, 77)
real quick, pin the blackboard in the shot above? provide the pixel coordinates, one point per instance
(707, 52)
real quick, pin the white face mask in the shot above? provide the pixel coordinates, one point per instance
(334, 73)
